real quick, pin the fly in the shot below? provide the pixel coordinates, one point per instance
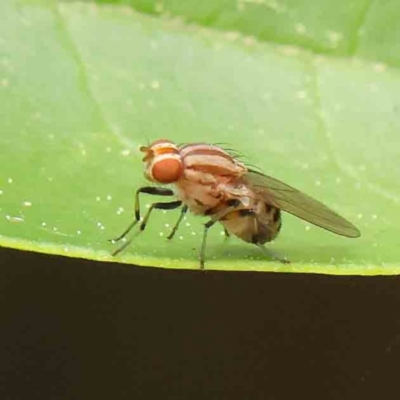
(210, 181)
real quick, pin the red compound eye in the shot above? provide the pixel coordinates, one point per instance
(167, 171)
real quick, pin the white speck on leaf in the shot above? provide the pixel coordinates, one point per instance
(232, 36)
(249, 40)
(155, 85)
(300, 28)
(125, 152)
(373, 87)
(334, 37)
(380, 67)
(10, 180)
(302, 94)
(338, 107)
(14, 219)
(240, 5)
(159, 7)
(26, 203)
(290, 51)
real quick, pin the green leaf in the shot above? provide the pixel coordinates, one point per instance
(308, 91)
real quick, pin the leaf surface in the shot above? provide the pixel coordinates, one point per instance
(309, 94)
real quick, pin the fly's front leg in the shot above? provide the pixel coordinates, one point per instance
(148, 190)
(159, 206)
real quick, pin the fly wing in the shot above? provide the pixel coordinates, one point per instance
(299, 204)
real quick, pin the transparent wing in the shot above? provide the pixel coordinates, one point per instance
(299, 204)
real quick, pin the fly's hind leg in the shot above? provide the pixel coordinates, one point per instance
(256, 239)
(249, 212)
(207, 226)
(272, 254)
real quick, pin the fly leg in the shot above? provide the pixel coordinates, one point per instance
(273, 255)
(159, 206)
(171, 205)
(148, 190)
(232, 204)
(176, 226)
(265, 250)
(207, 226)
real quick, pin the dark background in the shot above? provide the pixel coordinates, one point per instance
(76, 329)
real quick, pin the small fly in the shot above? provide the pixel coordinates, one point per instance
(210, 181)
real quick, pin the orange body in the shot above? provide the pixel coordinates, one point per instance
(209, 180)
